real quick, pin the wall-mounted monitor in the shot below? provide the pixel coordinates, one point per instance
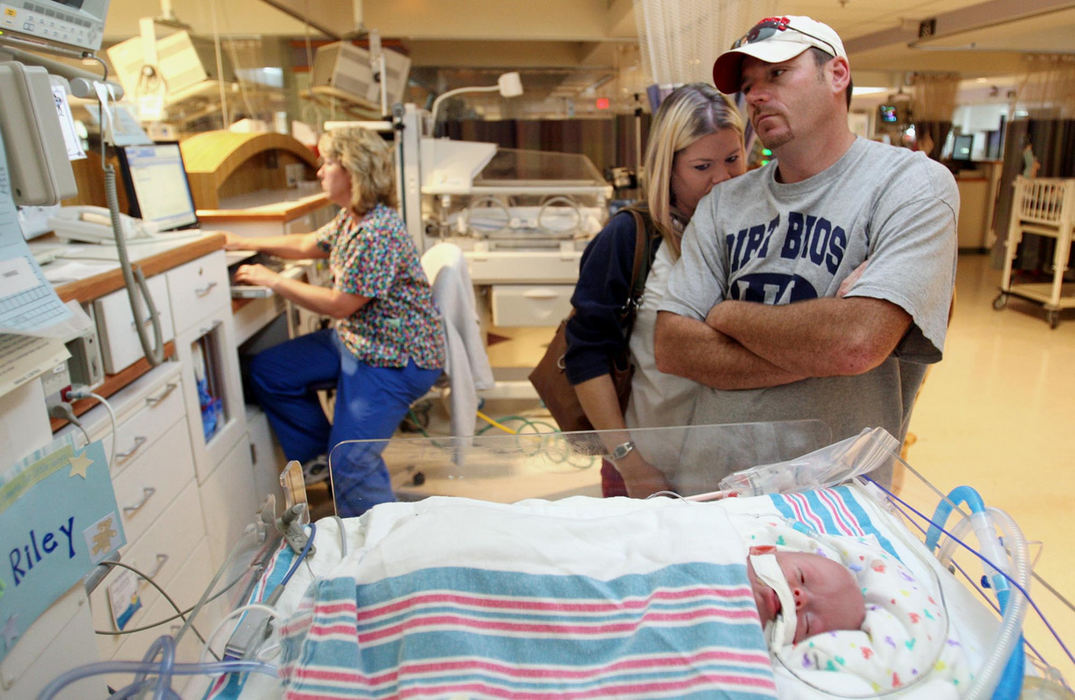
(888, 114)
(68, 25)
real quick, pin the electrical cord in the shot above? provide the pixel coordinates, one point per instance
(112, 417)
(167, 597)
(64, 411)
(301, 558)
(893, 498)
(82, 392)
(252, 631)
(497, 424)
(235, 551)
(179, 614)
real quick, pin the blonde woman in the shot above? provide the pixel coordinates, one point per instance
(387, 346)
(695, 142)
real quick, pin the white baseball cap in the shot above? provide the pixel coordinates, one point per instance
(774, 39)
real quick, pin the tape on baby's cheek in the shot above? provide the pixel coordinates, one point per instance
(780, 631)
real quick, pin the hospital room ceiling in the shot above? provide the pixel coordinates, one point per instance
(573, 47)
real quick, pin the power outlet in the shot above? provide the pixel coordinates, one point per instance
(56, 382)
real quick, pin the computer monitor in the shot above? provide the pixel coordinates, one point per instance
(962, 147)
(157, 186)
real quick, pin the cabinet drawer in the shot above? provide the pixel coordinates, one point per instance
(198, 288)
(230, 501)
(147, 423)
(530, 305)
(162, 555)
(150, 483)
(120, 346)
(529, 267)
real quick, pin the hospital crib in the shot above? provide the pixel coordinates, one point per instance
(543, 475)
(1044, 207)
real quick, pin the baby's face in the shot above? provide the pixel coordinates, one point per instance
(826, 594)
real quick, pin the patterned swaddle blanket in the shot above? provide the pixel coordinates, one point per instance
(906, 640)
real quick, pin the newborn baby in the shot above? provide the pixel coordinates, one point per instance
(822, 593)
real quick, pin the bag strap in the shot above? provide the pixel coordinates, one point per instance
(645, 234)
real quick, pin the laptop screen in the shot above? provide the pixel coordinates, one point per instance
(157, 185)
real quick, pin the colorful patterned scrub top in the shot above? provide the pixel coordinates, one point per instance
(375, 257)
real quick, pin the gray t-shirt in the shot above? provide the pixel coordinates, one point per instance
(755, 239)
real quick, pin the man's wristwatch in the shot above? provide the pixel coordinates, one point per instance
(622, 450)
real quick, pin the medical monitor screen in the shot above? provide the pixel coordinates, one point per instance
(55, 24)
(157, 185)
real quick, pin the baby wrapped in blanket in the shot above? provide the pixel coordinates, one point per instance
(577, 597)
(903, 642)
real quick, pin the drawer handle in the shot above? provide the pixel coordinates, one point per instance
(139, 440)
(154, 400)
(162, 559)
(540, 294)
(205, 290)
(147, 492)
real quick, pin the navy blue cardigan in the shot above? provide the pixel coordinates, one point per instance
(594, 334)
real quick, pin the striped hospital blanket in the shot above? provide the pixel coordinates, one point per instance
(452, 598)
(688, 630)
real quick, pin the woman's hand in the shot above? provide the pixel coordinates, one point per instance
(640, 477)
(257, 275)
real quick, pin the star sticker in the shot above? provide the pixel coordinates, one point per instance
(79, 464)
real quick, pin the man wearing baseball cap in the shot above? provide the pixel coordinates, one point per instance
(818, 286)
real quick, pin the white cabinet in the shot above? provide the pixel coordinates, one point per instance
(160, 554)
(205, 345)
(161, 507)
(183, 473)
(120, 345)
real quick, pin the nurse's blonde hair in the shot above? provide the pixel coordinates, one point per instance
(368, 160)
(690, 112)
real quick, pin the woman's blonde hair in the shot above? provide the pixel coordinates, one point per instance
(690, 112)
(368, 160)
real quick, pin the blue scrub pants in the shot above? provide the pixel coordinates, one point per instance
(370, 403)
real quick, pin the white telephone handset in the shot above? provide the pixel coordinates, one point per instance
(91, 224)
